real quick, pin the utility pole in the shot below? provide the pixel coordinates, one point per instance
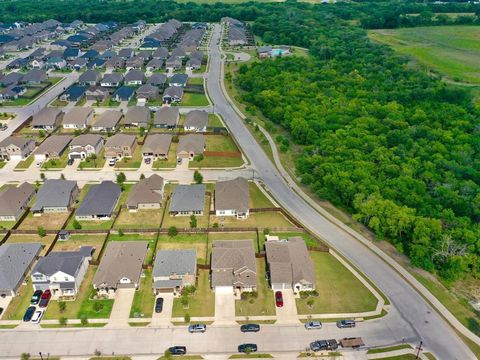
(419, 348)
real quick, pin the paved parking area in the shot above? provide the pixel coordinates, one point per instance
(224, 306)
(163, 318)
(121, 308)
(288, 313)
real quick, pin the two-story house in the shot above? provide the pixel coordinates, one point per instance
(85, 145)
(16, 148)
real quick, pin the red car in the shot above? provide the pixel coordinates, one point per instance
(45, 298)
(279, 299)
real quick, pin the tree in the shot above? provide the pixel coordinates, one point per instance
(84, 320)
(62, 320)
(62, 176)
(121, 178)
(120, 232)
(76, 224)
(25, 356)
(62, 306)
(193, 221)
(41, 133)
(97, 306)
(93, 157)
(187, 318)
(41, 231)
(142, 176)
(197, 177)
(172, 231)
(42, 176)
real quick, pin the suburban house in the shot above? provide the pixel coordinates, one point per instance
(147, 92)
(11, 79)
(134, 63)
(232, 198)
(137, 116)
(126, 53)
(173, 94)
(179, 52)
(115, 63)
(97, 93)
(197, 121)
(154, 64)
(47, 119)
(121, 266)
(16, 260)
(178, 80)
(123, 93)
(146, 194)
(112, 80)
(14, 201)
(35, 77)
(193, 64)
(55, 196)
(166, 117)
(156, 146)
(157, 80)
(89, 77)
(135, 77)
(174, 269)
(290, 265)
(73, 93)
(108, 121)
(62, 272)
(85, 145)
(187, 200)
(190, 145)
(12, 92)
(234, 266)
(52, 147)
(78, 118)
(160, 53)
(100, 202)
(173, 63)
(16, 148)
(120, 145)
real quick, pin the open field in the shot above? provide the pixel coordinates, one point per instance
(452, 51)
(339, 290)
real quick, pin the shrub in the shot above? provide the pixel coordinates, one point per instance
(41, 231)
(187, 318)
(97, 306)
(215, 225)
(197, 177)
(76, 225)
(121, 178)
(62, 305)
(120, 232)
(83, 320)
(172, 231)
(62, 321)
(193, 221)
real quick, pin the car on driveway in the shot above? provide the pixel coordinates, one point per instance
(148, 160)
(1, 311)
(70, 162)
(311, 325)
(346, 324)
(45, 298)
(178, 350)
(321, 345)
(159, 305)
(197, 328)
(250, 328)
(36, 297)
(247, 348)
(37, 316)
(29, 313)
(278, 299)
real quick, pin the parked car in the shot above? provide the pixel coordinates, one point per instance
(245, 348)
(159, 305)
(3, 127)
(45, 298)
(36, 297)
(1, 311)
(179, 161)
(148, 160)
(278, 299)
(178, 350)
(112, 162)
(29, 313)
(310, 325)
(37, 316)
(250, 328)
(321, 345)
(197, 328)
(70, 162)
(346, 324)
(39, 164)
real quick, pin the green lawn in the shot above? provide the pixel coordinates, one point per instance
(308, 240)
(201, 303)
(2, 164)
(185, 242)
(131, 163)
(258, 219)
(77, 240)
(45, 241)
(220, 143)
(59, 103)
(82, 306)
(216, 162)
(193, 99)
(20, 303)
(264, 304)
(184, 221)
(90, 163)
(257, 198)
(195, 81)
(450, 50)
(214, 121)
(339, 290)
(56, 164)
(7, 225)
(108, 102)
(25, 164)
(171, 162)
(390, 348)
(144, 298)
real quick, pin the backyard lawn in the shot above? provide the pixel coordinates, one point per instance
(142, 219)
(258, 219)
(77, 240)
(131, 163)
(144, 298)
(195, 81)
(7, 225)
(264, 303)
(46, 241)
(201, 303)
(82, 306)
(20, 303)
(339, 290)
(184, 242)
(182, 222)
(49, 221)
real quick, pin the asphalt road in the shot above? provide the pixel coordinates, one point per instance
(425, 324)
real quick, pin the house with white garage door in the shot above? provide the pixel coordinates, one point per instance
(85, 145)
(16, 148)
(290, 265)
(52, 148)
(233, 265)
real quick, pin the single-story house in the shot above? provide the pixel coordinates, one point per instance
(146, 194)
(137, 116)
(193, 64)
(16, 148)
(14, 201)
(174, 269)
(178, 80)
(35, 76)
(78, 118)
(173, 94)
(160, 53)
(187, 200)
(121, 266)
(52, 147)
(126, 53)
(73, 93)
(112, 80)
(100, 202)
(97, 93)
(154, 64)
(120, 145)
(135, 63)
(16, 260)
(232, 198)
(173, 63)
(123, 93)
(115, 63)
(178, 52)
(147, 92)
(166, 117)
(62, 272)
(135, 77)
(85, 145)
(108, 121)
(47, 119)
(190, 145)
(289, 265)
(11, 79)
(197, 121)
(157, 146)
(157, 79)
(89, 77)
(55, 195)
(233, 265)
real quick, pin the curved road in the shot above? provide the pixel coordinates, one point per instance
(413, 311)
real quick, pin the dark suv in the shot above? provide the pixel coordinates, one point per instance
(36, 297)
(321, 345)
(178, 350)
(245, 348)
(250, 328)
(29, 313)
(346, 324)
(159, 305)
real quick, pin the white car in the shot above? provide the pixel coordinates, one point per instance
(39, 164)
(311, 325)
(37, 316)
(112, 162)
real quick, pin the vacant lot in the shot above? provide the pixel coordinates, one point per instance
(50, 221)
(339, 290)
(46, 241)
(77, 240)
(220, 143)
(451, 50)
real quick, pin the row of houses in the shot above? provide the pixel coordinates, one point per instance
(236, 31)
(14, 84)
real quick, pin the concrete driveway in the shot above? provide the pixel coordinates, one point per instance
(287, 314)
(163, 318)
(121, 308)
(224, 306)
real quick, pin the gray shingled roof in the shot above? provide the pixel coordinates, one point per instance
(167, 116)
(100, 199)
(67, 262)
(188, 198)
(14, 262)
(108, 119)
(54, 193)
(175, 262)
(197, 119)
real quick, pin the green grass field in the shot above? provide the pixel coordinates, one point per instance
(452, 51)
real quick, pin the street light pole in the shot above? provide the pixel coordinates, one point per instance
(419, 348)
